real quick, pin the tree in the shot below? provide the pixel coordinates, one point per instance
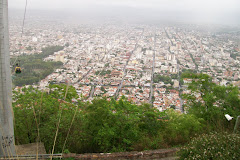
(117, 125)
(29, 48)
(59, 91)
(103, 89)
(106, 65)
(67, 44)
(100, 126)
(159, 78)
(34, 109)
(211, 101)
(34, 68)
(181, 127)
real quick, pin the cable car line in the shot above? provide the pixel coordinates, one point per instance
(18, 68)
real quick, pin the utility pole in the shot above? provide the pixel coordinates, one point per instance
(7, 143)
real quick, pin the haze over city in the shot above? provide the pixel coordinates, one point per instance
(225, 12)
(132, 48)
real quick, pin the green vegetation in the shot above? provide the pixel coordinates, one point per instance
(144, 50)
(213, 103)
(215, 146)
(34, 68)
(29, 48)
(100, 126)
(234, 55)
(185, 74)
(174, 76)
(210, 102)
(67, 44)
(103, 72)
(103, 89)
(159, 78)
(181, 127)
(196, 65)
(35, 106)
(106, 65)
(114, 126)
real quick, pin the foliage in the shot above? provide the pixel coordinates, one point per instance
(159, 78)
(211, 102)
(49, 51)
(116, 125)
(35, 110)
(196, 65)
(234, 55)
(174, 76)
(103, 72)
(59, 91)
(67, 44)
(215, 146)
(103, 89)
(187, 72)
(34, 68)
(100, 126)
(29, 48)
(106, 65)
(181, 127)
(113, 126)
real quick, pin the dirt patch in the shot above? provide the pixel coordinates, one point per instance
(30, 149)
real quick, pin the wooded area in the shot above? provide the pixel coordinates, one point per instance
(34, 68)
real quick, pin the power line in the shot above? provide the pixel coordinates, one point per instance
(23, 23)
(24, 17)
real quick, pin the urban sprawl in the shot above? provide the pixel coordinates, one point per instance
(115, 60)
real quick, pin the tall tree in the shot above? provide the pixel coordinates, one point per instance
(211, 101)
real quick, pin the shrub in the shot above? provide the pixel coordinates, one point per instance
(116, 125)
(219, 146)
(181, 127)
(147, 142)
(99, 126)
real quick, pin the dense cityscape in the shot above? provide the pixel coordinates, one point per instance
(140, 62)
(122, 79)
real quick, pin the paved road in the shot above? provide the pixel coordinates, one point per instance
(152, 76)
(109, 85)
(86, 74)
(92, 91)
(94, 84)
(125, 71)
(179, 89)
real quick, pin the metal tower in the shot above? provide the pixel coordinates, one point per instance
(7, 146)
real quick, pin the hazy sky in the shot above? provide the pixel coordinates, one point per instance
(219, 11)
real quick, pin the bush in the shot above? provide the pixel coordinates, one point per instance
(180, 127)
(147, 142)
(116, 126)
(213, 146)
(211, 102)
(99, 126)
